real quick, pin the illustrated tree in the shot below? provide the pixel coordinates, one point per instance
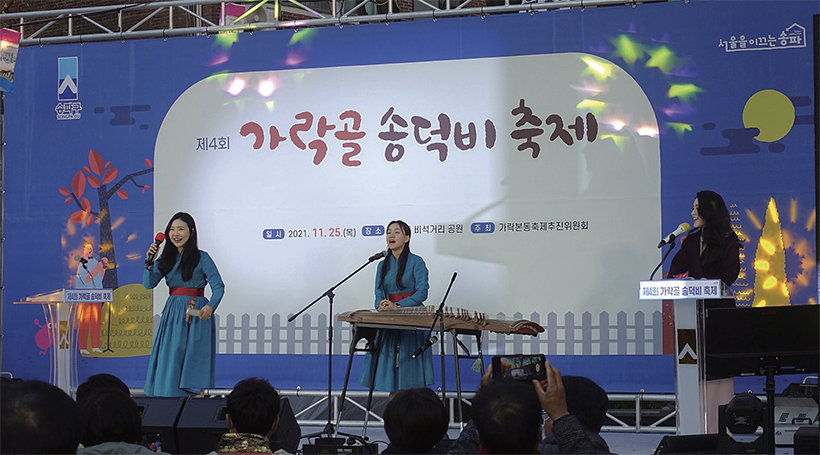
(770, 263)
(99, 174)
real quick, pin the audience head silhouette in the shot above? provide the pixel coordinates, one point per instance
(98, 381)
(110, 416)
(507, 415)
(415, 420)
(37, 417)
(253, 407)
(587, 401)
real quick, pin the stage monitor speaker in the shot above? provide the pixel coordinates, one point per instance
(159, 419)
(288, 433)
(202, 425)
(807, 440)
(688, 444)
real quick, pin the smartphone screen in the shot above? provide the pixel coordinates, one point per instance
(519, 366)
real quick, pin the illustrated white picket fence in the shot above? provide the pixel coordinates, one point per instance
(570, 334)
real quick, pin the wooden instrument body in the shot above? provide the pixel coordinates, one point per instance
(454, 319)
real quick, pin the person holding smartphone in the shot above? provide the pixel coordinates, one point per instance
(575, 413)
(401, 281)
(575, 409)
(184, 351)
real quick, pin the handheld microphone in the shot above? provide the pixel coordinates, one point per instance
(157, 241)
(378, 255)
(424, 347)
(682, 228)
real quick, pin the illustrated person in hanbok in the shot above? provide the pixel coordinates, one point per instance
(184, 350)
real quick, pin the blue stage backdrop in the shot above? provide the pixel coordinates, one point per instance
(541, 156)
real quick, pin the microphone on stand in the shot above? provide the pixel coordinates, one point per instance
(682, 228)
(157, 241)
(378, 256)
(80, 259)
(424, 347)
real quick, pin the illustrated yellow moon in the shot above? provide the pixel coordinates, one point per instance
(771, 112)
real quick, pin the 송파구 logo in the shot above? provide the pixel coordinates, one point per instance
(68, 91)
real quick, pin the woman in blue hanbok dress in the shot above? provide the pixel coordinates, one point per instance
(184, 351)
(401, 281)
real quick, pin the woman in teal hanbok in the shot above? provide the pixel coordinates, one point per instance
(401, 281)
(184, 351)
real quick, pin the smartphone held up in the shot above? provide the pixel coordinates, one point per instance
(523, 367)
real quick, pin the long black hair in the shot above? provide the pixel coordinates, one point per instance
(190, 252)
(110, 416)
(405, 228)
(717, 225)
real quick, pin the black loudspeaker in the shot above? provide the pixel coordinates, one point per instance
(694, 443)
(202, 424)
(159, 419)
(288, 433)
(807, 440)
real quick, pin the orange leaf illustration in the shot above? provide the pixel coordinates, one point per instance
(86, 170)
(122, 194)
(90, 218)
(107, 165)
(77, 217)
(95, 161)
(110, 175)
(68, 200)
(85, 204)
(148, 163)
(78, 184)
(64, 191)
(93, 181)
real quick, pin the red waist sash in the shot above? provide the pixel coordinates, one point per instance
(193, 292)
(396, 297)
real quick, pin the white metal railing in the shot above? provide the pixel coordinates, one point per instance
(306, 418)
(639, 399)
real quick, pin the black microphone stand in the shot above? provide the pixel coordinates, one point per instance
(329, 428)
(665, 255)
(438, 319)
(108, 330)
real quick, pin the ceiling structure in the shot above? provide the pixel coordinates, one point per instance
(166, 19)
